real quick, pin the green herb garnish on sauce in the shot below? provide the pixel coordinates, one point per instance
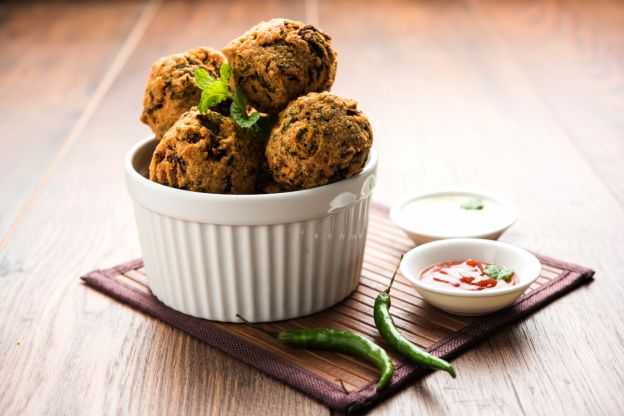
(214, 91)
(497, 273)
(471, 204)
(505, 275)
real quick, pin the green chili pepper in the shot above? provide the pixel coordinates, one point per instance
(389, 332)
(340, 341)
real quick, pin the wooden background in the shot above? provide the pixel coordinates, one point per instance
(522, 97)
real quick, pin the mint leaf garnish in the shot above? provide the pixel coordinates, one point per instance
(495, 272)
(240, 117)
(474, 203)
(218, 92)
(225, 72)
(492, 271)
(203, 102)
(506, 275)
(214, 91)
(238, 110)
(239, 99)
(203, 79)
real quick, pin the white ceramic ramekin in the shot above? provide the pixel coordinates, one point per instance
(461, 302)
(267, 257)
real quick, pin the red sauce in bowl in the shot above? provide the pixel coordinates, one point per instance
(468, 275)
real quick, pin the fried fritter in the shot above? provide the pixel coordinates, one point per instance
(171, 89)
(202, 152)
(279, 60)
(319, 138)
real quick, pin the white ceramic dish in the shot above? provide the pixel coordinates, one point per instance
(438, 215)
(461, 302)
(268, 257)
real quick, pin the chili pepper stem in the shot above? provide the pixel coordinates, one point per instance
(343, 386)
(387, 290)
(259, 328)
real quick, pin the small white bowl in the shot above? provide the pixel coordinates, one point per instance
(448, 220)
(267, 257)
(471, 303)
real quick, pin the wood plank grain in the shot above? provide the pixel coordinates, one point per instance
(48, 74)
(584, 89)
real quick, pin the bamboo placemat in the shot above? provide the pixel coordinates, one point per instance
(339, 381)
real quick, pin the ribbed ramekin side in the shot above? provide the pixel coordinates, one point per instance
(277, 274)
(360, 235)
(320, 285)
(264, 272)
(198, 267)
(267, 282)
(213, 265)
(146, 240)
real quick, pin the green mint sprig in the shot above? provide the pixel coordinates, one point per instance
(498, 273)
(214, 91)
(238, 110)
(471, 204)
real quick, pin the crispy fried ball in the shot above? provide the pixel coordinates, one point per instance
(279, 60)
(202, 152)
(319, 138)
(171, 90)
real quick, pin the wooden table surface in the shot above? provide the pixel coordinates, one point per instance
(522, 97)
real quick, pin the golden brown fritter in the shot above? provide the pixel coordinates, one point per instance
(319, 138)
(171, 89)
(202, 152)
(279, 60)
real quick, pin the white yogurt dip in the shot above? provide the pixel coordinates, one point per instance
(447, 214)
